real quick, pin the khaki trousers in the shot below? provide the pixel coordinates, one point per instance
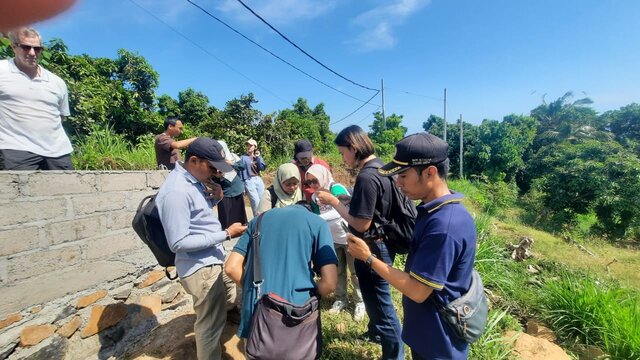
(207, 287)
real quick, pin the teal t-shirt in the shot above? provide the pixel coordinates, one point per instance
(292, 238)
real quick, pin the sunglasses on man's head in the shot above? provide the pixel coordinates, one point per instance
(310, 182)
(27, 48)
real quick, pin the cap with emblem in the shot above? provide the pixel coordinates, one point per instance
(415, 150)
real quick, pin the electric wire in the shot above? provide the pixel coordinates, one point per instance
(210, 54)
(354, 111)
(367, 116)
(301, 50)
(414, 94)
(273, 54)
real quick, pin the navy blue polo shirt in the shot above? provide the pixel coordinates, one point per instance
(441, 256)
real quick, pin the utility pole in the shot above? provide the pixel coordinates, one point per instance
(461, 145)
(445, 116)
(384, 119)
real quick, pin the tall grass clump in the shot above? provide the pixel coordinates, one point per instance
(103, 149)
(601, 314)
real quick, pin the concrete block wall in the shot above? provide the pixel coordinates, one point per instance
(65, 234)
(66, 231)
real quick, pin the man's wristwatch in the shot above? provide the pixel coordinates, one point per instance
(369, 260)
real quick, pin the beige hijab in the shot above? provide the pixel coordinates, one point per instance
(286, 172)
(322, 174)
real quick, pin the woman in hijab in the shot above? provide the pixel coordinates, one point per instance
(319, 177)
(285, 190)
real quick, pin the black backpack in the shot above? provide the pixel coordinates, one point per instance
(148, 226)
(397, 230)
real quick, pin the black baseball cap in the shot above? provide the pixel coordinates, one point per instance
(209, 149)
(303, 149)
(415, 150)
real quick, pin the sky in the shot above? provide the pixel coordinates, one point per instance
(494, 58)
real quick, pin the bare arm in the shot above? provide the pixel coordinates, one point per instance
(405, 283)
(328, 279)
(233, 267)
(181, 144)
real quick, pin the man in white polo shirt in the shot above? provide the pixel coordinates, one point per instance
(33, 103)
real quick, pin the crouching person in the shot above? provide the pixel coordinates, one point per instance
(294, 246)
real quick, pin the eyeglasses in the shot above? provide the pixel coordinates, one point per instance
(310, 182)
(27, 48)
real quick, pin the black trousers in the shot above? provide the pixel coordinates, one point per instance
(24, 160)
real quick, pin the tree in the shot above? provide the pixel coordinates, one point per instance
(434, 125)
(386, 136)
(624, 124)
(559, 119)
(590, 176)
(168, 106)
(138, 77)
(302, 122)
(500, 147)
(194, 106)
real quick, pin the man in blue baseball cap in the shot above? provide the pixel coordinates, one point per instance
(439, 265)
(185, 204)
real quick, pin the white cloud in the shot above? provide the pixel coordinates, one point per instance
(278, 11)
(378, 23)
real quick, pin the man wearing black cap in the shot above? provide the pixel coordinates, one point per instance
(185, 204)
(442, 252)
(303, 158)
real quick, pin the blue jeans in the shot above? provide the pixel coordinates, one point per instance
(376, 293)
(255, 189)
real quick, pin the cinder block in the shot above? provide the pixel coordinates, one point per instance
(135, 197)
(28, 211)
(9, 186)
(18, 240)
(121, 220)
(156, 178)
(83, 205)
(51, 184)
(113, 244)
(122, 181)
(76, 229)
(39, 262)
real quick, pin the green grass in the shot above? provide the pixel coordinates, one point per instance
(580, 308)
(105, 150)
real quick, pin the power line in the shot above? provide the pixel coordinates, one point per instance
(360, 107)
(364, 118)
(209, 53)
(414, 94)
(301, 50)
(273, 54)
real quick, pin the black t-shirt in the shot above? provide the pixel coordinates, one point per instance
(370, 192)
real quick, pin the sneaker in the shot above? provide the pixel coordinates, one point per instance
(358, 313)
(337, 306)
